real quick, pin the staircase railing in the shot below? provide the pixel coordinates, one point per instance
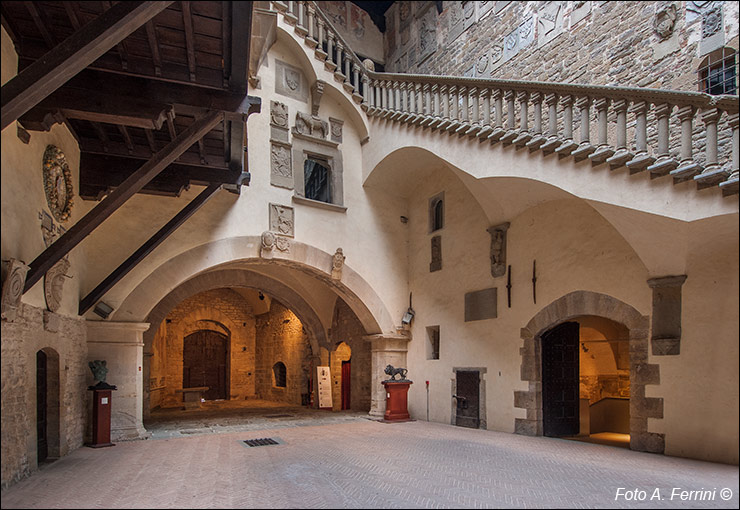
(644, 130)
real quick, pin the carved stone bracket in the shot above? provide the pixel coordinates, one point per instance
(498, 249)
(54, 284)
(337, 263)
(317, 91)
(15, 281)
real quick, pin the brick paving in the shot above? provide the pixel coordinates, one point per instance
(366, 464)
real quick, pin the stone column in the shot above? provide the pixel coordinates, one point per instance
(603, 151)
(665, 163)
(553, 141)
(511, 131)
(385, 349)
(584, 148)
(498, 130)
(642, 159)
(568, 144)
(713, 172)
(687, 168)
(121, 345)
(524, 134)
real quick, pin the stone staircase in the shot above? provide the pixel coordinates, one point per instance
(642, 129)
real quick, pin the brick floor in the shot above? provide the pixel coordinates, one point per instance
(365, 464)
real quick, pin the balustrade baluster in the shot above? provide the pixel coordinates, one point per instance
(584, 148)
(347, 69)
(475, 127)
(604, 150)
(445, 98)
(454, 109)
(281, 6)
(553, 141)
(311, 39)
(730, 186)
(622, 155)
(356, 82)
(338, 75)
(568, 144)
(367, 94)
(713, 172)
(428, 107)
(665, 163)
(319, 51)
(300, 27)
(330, 65)
(419, 103)
(537, 139)
(464, 112)
(485, 120)
(642, 159)
(403, 101)
(524, 134)
(498, 130)
(687, 167)
(290, 16)
(511, 131)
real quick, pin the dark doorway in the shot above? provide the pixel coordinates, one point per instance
(346, 374)
(468, 399)
(42, 393)
(560, 380)
(204, 363)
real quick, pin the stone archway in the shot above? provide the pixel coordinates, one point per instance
(579, 303)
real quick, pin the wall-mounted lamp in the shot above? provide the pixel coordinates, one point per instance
(102, 309)
(261, 296)
(409, 315)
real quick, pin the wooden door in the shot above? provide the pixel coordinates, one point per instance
(41, 407)
(560, 380)
(346, 374)
(204, 363)
(468, 399)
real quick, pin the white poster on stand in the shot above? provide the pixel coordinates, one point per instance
(324, 378)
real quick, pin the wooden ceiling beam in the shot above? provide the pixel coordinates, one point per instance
(146, 248)
(41, 23)
(97, 106)
(143, 151)
(72, 14)
(187, 21)
(133, 184)
(126, 138)
(121, 46)
(75, 53)
(151, 35)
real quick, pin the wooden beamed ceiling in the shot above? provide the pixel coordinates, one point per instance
(139, 95)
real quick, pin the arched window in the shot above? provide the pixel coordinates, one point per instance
(436, 212)
(718, 72)
(278, 371)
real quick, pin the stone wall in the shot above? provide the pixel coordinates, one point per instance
(281, 338)
(221, 310)
(593, 42)
(346, 331)
(65, 340)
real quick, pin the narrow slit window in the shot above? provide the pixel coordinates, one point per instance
(279, 372)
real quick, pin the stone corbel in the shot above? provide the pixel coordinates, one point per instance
(317, 90)
(15, 281)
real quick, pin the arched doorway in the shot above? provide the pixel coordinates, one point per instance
(47, 405)
(570, 308)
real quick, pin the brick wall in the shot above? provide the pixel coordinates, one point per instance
(601, 43)
(67, 345)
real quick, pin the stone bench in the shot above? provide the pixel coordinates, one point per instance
(191, 397)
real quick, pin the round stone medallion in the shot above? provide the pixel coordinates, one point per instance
(57, 183)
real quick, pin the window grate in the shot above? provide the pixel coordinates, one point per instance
(717, 73)
(265, 441)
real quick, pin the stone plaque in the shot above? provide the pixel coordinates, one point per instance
(456, 21)
(427, 32)
(290, 81)
(499, 6)
(481, 304)
(694, 10)
(526, 33)
(579, 12)
(484, 8)
(436, 263)
(469, 14)
(497, 56)
(281, 168)
(281, 220)
(278, 121)
(712, 28)
(498, 249)
(336, 129)
(483, 65)
(511, 44)
(15, 281)
(549, 22)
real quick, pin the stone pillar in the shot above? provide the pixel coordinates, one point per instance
(642, 159)
(622, 155)
(603, 151)
(713, 172)
(568, 144)
(524, 134)
(385, 349)
(584, 148)
(687, 168)
(121, 345)
(665, 163)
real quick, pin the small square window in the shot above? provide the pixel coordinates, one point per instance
(317, 175)
(433, 342)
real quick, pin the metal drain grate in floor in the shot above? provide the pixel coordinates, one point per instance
(279, 415)
(266, 441)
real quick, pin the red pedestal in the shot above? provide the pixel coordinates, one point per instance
(396, 401)
(101, 419)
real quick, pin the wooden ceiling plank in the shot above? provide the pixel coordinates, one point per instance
(187, 21)
(72, 14)
(143, 151)
(171, 126)
(146, 248)
(151, 34)
(41, 24)
(133, 184)
(202, 151)
(65, 60)
(102, 135)
(150, 140)
(121, 46)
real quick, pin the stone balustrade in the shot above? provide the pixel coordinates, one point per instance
(684, 135)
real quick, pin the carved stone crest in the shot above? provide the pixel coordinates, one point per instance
(336, 129)
(279, 114)
(481, 65)
(15, 281)
(337, 263)
(281, 220)
(57, 183)
(280, 161)
(54, 284)
(665, 21)
(498, 249)
(711, 19)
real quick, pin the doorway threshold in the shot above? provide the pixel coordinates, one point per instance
(606, 438)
